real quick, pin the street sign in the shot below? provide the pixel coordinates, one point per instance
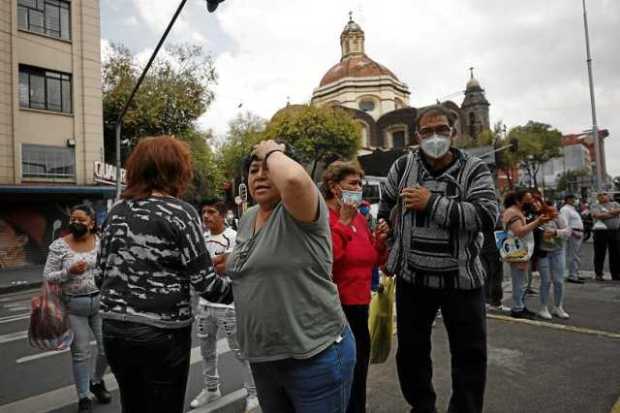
(243, 192)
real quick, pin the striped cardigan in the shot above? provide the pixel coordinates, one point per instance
(439, 247)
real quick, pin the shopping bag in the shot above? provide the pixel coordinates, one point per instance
(381, 321)
(49, 327)
(513, 249)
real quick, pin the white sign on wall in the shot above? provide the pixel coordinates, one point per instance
(106, 173)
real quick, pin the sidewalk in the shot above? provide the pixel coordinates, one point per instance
(18, 279)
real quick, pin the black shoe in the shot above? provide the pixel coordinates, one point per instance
(531, 291)
(599, 278)
(525, 313)
(101, 393)
(85, 405)
(575, 280)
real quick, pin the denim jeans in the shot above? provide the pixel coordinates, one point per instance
(518, 287)
(320, 384)
(84, 317)
(551, 268)
(464, 316)
(150, 364)
(573, 248)
(208, 321)
(357, 316)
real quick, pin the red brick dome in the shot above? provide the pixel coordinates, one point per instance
(355, 66)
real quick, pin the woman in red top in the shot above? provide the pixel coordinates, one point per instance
(356, 251)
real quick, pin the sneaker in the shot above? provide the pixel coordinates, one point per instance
(251, 404)
(85, 405)
(560, 313)
(204, 397)
(575, 280)
(498, 308)
(101, 393)
(525, 313)
(544, 313)
(599, 278)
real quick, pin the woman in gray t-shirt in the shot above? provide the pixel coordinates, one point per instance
(290, 323)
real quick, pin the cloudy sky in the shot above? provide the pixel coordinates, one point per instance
(528, 55)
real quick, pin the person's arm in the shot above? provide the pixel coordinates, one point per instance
(520, 229)
(597, 213)
(341, 236)
(300, 196)
(563, 231)
(389, 189)
(54, 271)
(477, 212)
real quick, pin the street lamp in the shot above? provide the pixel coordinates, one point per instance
(600, 179)
(211, 6)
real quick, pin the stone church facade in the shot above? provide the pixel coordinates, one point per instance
(380, 102)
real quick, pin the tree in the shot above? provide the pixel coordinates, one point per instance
(174, 94)
(567, 182)
(245, 131)
(316, 134)
(537, 144)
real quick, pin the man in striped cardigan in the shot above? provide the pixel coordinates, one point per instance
(440, 200)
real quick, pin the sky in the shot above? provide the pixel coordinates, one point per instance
(528, 55)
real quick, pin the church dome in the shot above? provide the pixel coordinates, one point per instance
(355, 66)
(472, 84)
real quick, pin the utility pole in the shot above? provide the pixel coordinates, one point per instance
(600, 178)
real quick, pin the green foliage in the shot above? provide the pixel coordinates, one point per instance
(486, 138)
(245, 131)
(537, 144)
(568, 180)
(174, 94)
(316, 133)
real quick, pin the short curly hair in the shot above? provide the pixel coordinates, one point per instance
(336, 172)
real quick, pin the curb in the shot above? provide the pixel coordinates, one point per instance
(19, 286)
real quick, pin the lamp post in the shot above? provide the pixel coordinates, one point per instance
(600, 179)
(211, 6)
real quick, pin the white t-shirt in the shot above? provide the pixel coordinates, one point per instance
(219, 244)
(571, 216)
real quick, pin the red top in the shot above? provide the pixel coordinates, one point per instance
(356, 253)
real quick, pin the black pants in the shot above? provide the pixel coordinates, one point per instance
(492, 263)
(357, 315)
(150, 364)
(607, 240)
(465, 319)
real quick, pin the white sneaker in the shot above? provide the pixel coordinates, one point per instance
(544, 313)
(204, 397)
(559, 312)
(251, 404)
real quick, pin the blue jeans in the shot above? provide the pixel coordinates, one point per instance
(551, 269)
(518, 287)
(320, 384)
(573, 247)
(84, 317)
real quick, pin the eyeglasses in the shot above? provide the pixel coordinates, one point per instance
(439, 130)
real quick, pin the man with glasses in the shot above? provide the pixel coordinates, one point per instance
(440, 201)
(606, 230)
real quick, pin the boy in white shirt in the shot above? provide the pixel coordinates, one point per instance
(213, 316)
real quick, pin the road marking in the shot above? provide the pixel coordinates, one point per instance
(19, 335)
(64, 396)
(11, 297)
(12, 318)
(555, 326)
(45, 354)
(17, 308)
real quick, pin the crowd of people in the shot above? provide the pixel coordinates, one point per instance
(291, 287)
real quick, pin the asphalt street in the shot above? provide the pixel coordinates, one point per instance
(534, 366)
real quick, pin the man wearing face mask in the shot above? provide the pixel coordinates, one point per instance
(441, 201)
(573, 245)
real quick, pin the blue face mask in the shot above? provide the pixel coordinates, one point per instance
(364, 210)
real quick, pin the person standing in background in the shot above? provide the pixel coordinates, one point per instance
(573, 244)
(606, 236)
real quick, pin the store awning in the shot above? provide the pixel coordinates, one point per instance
(95, 191)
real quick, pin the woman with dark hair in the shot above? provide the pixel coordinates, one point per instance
(514, 221)
(356, 252)
(290, 324)
(152, 251)
(71, 263)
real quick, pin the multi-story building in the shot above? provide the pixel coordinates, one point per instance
(51, 132)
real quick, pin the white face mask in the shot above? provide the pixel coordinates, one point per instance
(351, 197)
(436, 146)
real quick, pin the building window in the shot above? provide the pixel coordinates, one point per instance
(398, 139)
(44, 89)
(367, 105)
(49, 17)
(44, 161)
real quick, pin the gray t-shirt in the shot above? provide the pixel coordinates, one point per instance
(610, 223)
(287, 305)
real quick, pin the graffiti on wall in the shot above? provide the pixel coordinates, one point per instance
(27, 230)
